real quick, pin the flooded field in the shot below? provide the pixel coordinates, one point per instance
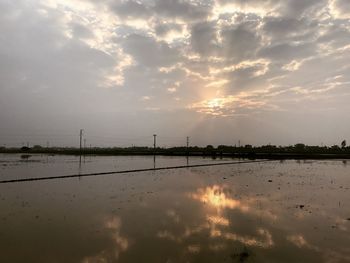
(291, 211)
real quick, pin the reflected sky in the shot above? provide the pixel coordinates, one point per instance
(259, 212)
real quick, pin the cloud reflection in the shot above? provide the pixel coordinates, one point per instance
(120, 243)
(214, 221)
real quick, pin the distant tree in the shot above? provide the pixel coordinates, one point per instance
(343, 144)
(37, 147)
(300, 147)
(335, 148)
(210, 147)
(25, 148)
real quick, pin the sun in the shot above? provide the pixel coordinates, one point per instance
(215, 103)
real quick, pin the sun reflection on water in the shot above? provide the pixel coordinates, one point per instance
(217, 223)
(216, 197)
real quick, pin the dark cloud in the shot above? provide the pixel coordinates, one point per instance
(336, 35)
(292, 8)
(270, 5)
(148, 52)
(281, 28)
(285, 8)
(189, 10)
(239, 43)
(288, 52)
(162, 29)
(81, 32)
(245, 78)
(204, 38)
(131, 8)
(194, 10)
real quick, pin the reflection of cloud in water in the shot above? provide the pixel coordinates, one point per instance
(114, 225)
(120, 243)
(215, 224)
(218, 197)
(172, 214)
(194, 249)
(188, 232)
(218, 220)
(341, 223)
(218, 247)
(265, 241)
(299, 241)
(329, 255)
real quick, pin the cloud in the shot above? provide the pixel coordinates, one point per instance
(148, 52)
(188, 10)
(336, 36)
(288, 52)
(340, 8)
(204, 38)
(131, 9)
(171, 9)
(180, 53)
(289, 29)
(163, 29)
(42, 53)
(249, 6)
(291, 8)
(240, 43)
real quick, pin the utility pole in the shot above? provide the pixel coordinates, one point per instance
(154, 150)
(187, 144)
(84, 144)
(81, 137)
(154, 142)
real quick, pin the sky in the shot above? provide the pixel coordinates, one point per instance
(218, 71)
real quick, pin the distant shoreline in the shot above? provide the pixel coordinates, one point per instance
(166, 152)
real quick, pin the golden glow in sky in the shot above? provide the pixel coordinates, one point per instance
(262, 63)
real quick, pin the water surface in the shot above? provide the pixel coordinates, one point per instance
(291, 211)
